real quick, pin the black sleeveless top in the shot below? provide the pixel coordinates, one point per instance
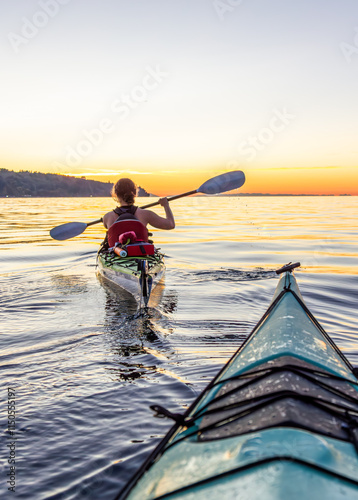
(126, 212)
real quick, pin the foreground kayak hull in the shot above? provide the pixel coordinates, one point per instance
(280, 420)
(136, 275)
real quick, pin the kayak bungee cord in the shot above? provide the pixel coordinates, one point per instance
(128, 263)
(258, 376)
(333, 406)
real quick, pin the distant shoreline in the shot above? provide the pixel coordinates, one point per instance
(26, 184)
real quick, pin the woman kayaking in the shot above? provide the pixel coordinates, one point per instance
(124, 192)
(127, 257)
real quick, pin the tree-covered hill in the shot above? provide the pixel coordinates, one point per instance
(24, 183)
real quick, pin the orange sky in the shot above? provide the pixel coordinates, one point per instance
(319, 180)
(314, 180)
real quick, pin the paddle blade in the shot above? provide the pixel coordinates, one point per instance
(66, 231)
(224, 182)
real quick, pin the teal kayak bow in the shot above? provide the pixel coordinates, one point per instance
(279, 422)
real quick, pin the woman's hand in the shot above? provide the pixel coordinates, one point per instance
(164, 202)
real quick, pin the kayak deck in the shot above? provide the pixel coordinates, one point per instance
(279, 421)
(275, 464)
(129, 272)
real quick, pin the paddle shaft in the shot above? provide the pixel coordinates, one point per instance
(219, 184)
(94, 222)
(171, 198)
(74, 229)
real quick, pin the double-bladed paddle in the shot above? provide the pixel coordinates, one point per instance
(219, 184)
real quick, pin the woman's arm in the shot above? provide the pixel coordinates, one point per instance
(109, 219)
(155, 220)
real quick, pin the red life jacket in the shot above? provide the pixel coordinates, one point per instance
(127, 222)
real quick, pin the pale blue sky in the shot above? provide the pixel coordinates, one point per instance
(225, 77)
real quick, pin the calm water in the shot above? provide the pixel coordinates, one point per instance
(85, 367)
